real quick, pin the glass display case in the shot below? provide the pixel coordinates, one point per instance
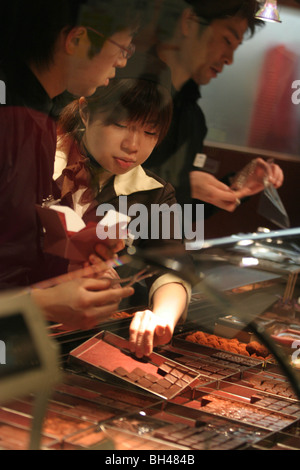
(229, 379)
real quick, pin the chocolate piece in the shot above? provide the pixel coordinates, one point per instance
(174, 389)
(210, 368)
(164, 369)
(187, 378)
(164, 383)
(216, 376)
(177, 373)
(184, 433)
(246, 413)
(291, 409)
(158, 389)
(121, 371)
(180, 383)
(170, 378)
(255, 399)
(139, 371)
(280, 387)
(193, 365)
(169, 429)
(181, 369)
(144, 382)
(169, 437)
(133, 377)
(193, 404)
(150, 377)
(182, 359)
(199, 446)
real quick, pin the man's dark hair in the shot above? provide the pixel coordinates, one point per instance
(207, 11)
(32, 27)
(211, 10)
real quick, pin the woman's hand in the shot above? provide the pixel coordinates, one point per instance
(207, 188)
(95, 268)
(108, 249)
(255, 176)
(148, 330)
(81, 303)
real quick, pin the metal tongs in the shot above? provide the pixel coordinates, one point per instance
(96, 270)
(134, 278)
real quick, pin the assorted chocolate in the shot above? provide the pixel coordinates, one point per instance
(213, 371)
(272, 386)
(199, 434)
(277, 404)
(108, 355)
(242, 412)
(168, 380)
(204, 438)
(217, 399)
(244, 362)
(253, 349)
(108, 438)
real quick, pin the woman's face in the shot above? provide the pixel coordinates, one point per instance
(121, 146)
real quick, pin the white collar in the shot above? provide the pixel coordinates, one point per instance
(131, 182)
(134, 181)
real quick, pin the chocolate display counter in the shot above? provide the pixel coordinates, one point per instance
(216, 386)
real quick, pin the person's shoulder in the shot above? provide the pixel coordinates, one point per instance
(189, 93)
(165, 184)
(153, 175)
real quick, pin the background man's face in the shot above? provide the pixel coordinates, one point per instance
(86, 74)
(227, 35)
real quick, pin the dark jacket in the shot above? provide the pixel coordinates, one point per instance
(27, 150)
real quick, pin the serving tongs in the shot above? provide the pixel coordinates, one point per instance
(97, 270)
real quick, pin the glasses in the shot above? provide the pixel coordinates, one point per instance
(127, 52)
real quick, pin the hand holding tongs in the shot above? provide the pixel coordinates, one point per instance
(97, 269)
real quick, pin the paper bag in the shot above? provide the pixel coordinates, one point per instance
(66, 234)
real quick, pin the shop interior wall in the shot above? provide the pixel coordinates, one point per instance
(246, 219)
(234, 105)
(232, 102)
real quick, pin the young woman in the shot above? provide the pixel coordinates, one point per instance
(103, 142)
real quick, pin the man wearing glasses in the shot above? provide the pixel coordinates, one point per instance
(201, 43)
(46, 48)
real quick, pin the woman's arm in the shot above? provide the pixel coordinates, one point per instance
(150, 328)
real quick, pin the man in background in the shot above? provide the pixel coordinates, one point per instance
(179, 159)
(48, 47)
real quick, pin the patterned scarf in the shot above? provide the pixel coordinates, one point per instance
(81, 172)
